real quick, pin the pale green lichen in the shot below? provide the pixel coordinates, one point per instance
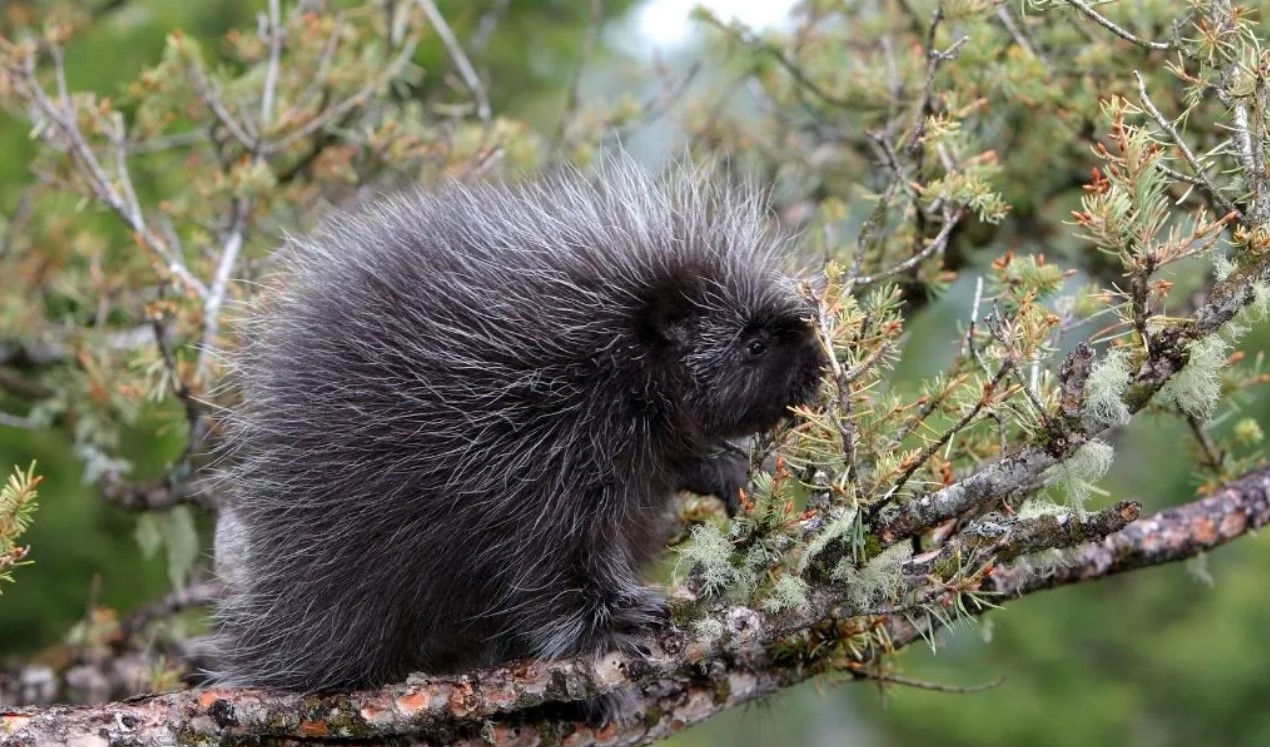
(1222, 266)
(1104, 391)
(711, 554)
(1259, 307)
(1077, 475)
(878, 580)
(987, 626)
(840, 524)
(1036, 507)
(1196, 388)
(1197, 569)
(788, 593)
(708, 628)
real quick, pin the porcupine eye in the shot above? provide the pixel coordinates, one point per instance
(756, 347)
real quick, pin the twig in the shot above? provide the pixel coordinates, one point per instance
(935, 246)
(160, 495)
(486, 26)
(193, 408)
(1200, 179)
(338, 110)
(207, 93)
(800, 77)
(1251, 156)
(17, 421)
(194, 595)
(1111, 26)
(895, 679)
(1016, 32)
(575, 83)
(62, 116)
(329, 48)
(933, 448)
(458, 57)
(655, 106)
(16, 222)
(275, 33)
(230, 248)
(1212, 454)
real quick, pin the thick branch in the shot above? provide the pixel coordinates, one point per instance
(685, 680)
(1173, 534)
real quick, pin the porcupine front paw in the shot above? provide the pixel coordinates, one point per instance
(723, 473)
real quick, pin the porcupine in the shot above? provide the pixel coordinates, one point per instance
(465, 412)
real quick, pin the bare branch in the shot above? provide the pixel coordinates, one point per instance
(458, 57)
(1200, 179)
(588, 45)
(274, 35)
(194, 595)
(62, 116)
(230, 248)
(935, 246)
(154, 496)
(1174, 534)
(210, 96)
(486, 26)
(1111, 26)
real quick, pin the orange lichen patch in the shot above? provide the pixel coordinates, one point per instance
(1233, 525)
(524, 670)
(1205, 531)
(413, 702)
(208, 697)
(14, 723)
(314, 729)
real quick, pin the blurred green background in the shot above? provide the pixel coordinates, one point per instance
(1172, 656)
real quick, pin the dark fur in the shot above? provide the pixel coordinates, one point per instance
(464, 416)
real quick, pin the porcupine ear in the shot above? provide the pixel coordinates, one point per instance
(663, 317)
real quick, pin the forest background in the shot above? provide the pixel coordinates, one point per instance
(1167, 656)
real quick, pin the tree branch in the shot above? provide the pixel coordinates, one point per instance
(1174, 534)
(684, 680)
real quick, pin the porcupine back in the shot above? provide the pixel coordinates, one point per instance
(445, 392)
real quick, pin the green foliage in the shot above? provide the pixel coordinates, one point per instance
(17, 507)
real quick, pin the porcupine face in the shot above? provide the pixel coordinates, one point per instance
(748, 353)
